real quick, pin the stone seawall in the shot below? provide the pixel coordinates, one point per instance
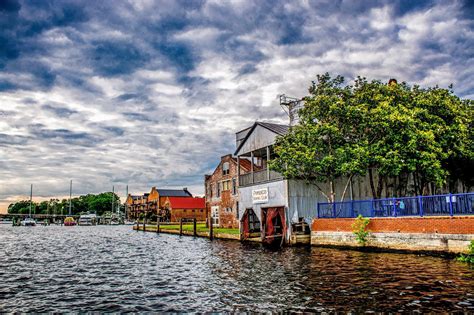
(434, 234)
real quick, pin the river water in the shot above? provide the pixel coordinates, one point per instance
(112, 268)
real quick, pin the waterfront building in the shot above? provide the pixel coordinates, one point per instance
(271, 206)
(185, 208)
(152, 203)
(221, 192)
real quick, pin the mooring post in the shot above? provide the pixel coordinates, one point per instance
(211, 229)
(144, 223)
(157, 225)
(194, 227)
(181, 226)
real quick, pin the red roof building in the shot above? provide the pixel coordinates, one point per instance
(186, 208)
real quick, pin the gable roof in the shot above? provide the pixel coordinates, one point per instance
(174, 193)
(187, 203)
(275, 128)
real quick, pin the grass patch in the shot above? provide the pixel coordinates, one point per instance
(200, 227)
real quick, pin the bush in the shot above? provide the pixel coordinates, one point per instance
(469, 257)
(359, 228)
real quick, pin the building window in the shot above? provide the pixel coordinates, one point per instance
(226, 185)
(225, 168)
(209, 190)
(218, 190)
(234, 186)
(200, 210)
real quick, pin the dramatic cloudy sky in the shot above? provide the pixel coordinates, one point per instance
(151, 92)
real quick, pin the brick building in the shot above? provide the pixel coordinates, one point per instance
(185, 208)
(153, 203)
(222, 194)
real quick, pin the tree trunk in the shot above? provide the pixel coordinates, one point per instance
(379, 186)
(331, 185)
(371, 180)
(345, 188)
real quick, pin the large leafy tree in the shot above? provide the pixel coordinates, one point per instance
(328, 143)
(392, 131)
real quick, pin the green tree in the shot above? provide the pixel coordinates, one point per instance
(20, 207)
(392, 131)
(327, 143)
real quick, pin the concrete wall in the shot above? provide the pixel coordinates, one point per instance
(443, 234)
(448, 243)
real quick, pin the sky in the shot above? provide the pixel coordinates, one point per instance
(150, 93)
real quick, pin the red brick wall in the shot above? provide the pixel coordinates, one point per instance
(442, 225)
(178, 214)
(227, 219)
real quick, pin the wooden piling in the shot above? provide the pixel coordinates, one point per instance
(181, 226)
(157, 225)
(194, 227)
(211, 229)
(144, 230)
(138, 225)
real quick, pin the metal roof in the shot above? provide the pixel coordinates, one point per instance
(276, 128)
(174, 193)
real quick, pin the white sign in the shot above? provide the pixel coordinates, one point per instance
(260, 195)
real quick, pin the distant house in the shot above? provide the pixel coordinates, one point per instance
(185, 208)
(153, 202)
(222, 194)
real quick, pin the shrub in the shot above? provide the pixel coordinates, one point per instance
(359, 228)
(469, 257)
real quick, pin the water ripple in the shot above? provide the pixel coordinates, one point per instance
(115, 269)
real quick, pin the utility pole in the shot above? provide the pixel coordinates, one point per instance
(70, 196)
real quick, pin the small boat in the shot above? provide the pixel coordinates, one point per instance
(128, 222)
(6, 221)
(87, 219)
(114, 221)
(69, 221)
(28, 222)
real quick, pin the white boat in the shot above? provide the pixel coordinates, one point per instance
(28, 222)
(114, 221)
(6, 221)
(88, 219)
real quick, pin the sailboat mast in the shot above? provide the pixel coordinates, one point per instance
(70, 196)
(113, 198)
(126, 206)
(31, 198)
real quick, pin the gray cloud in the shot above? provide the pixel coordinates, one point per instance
(151, 92)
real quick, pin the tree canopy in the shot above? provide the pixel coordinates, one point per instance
(91, 203)
(393, 130)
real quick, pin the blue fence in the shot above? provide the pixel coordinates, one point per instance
(438, 205)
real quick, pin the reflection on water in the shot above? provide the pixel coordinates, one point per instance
(116, 269)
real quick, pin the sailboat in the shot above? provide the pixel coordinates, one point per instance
(29, 221)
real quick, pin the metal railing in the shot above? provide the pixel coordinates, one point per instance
(436, 205)
(259, 177)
